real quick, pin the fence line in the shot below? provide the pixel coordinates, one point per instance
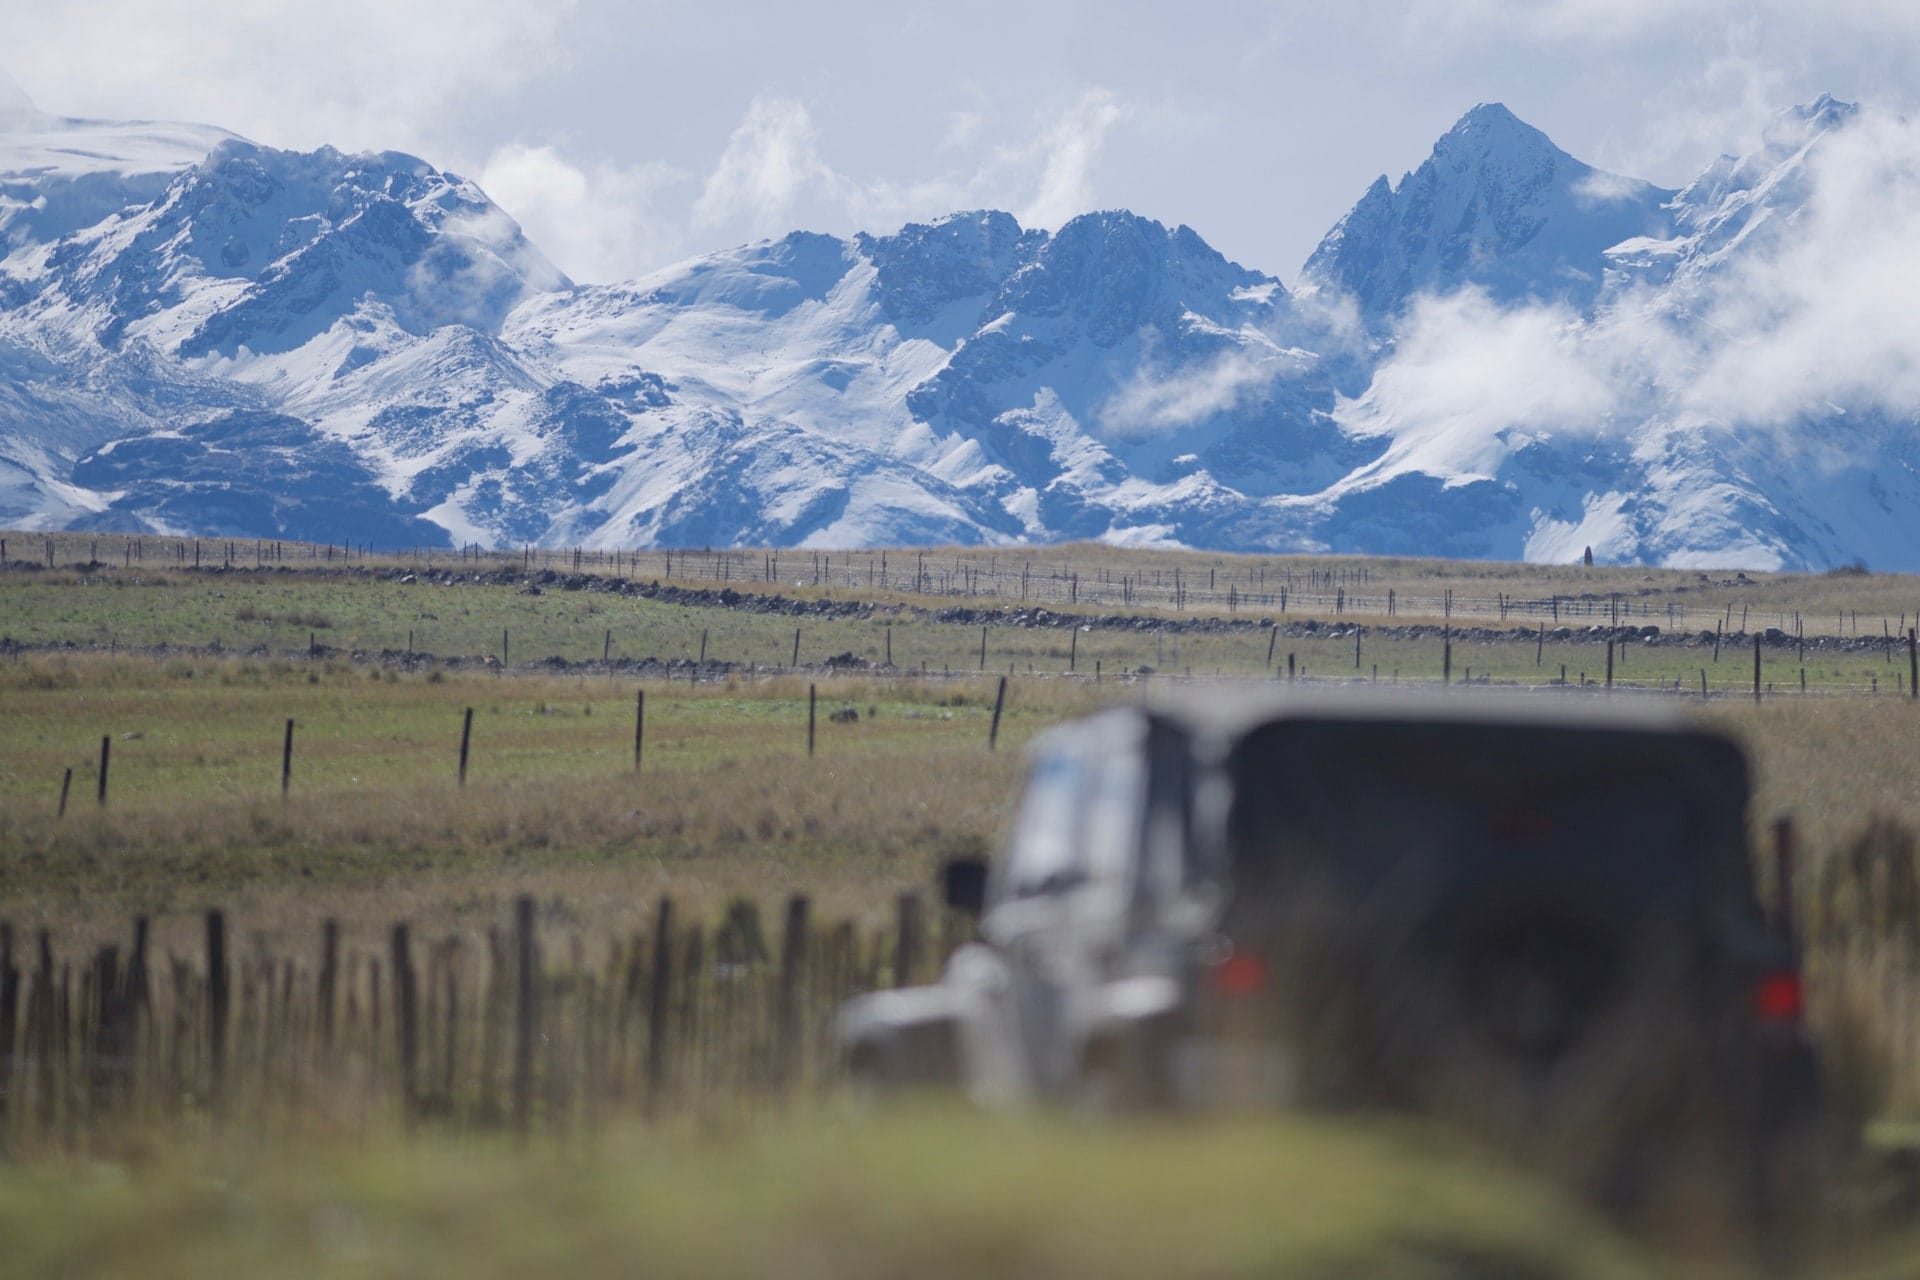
(1253, 584)
(518, 1027)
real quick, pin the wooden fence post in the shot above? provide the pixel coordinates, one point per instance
(524, 1013)
(983, 648)
(40, 1034)
(66, 784)
(406, 995)
(906, 938)
(466, 740)
(999, 703)
(106, 748)
(787, 1020)
(1756, 667)
(659, 1010)
(1913, 662)
(286, 760)
(796, 649)
(218, 997)
(9, 1019)
(810, 705)
(324, 993)
(639, 725)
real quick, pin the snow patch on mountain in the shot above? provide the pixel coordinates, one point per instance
(1508, 353)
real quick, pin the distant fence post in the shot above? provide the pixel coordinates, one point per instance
(796, 648)
(66, 784)
(106, 750)
(1756, 667)
(286, 760)
(639, 725)
(1913, 662)
(810, 706)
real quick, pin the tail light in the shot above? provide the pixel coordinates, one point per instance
(1778, 1000)
(1240, 974)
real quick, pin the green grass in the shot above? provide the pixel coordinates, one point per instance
(912, 1195)
(727, 802)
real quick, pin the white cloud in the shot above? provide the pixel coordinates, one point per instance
(773, 167)
(598, 225)
(963, 128)
(1831, 314)
(1465, 368)
(1069, 151)
(772, 159)
(1153, 401)
(1818, 310)
(363, 74)
(1605, 22)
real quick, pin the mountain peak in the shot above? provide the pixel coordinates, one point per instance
(1491, 126)
(13, 99)
(1496, 205)
(1796, 126)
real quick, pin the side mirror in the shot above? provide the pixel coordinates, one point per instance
(963, 885)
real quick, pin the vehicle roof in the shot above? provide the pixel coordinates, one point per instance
(1231, 710)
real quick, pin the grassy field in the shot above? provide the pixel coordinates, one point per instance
(1102, 579)
(816, 1197)
(727, 800)
(193, 676)
(289, 616)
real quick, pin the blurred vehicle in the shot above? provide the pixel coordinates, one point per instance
(1537, 922)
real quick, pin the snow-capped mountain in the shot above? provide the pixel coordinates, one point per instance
(201, 334)
(1496, 205)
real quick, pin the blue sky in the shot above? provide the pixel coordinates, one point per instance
(628, 135)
